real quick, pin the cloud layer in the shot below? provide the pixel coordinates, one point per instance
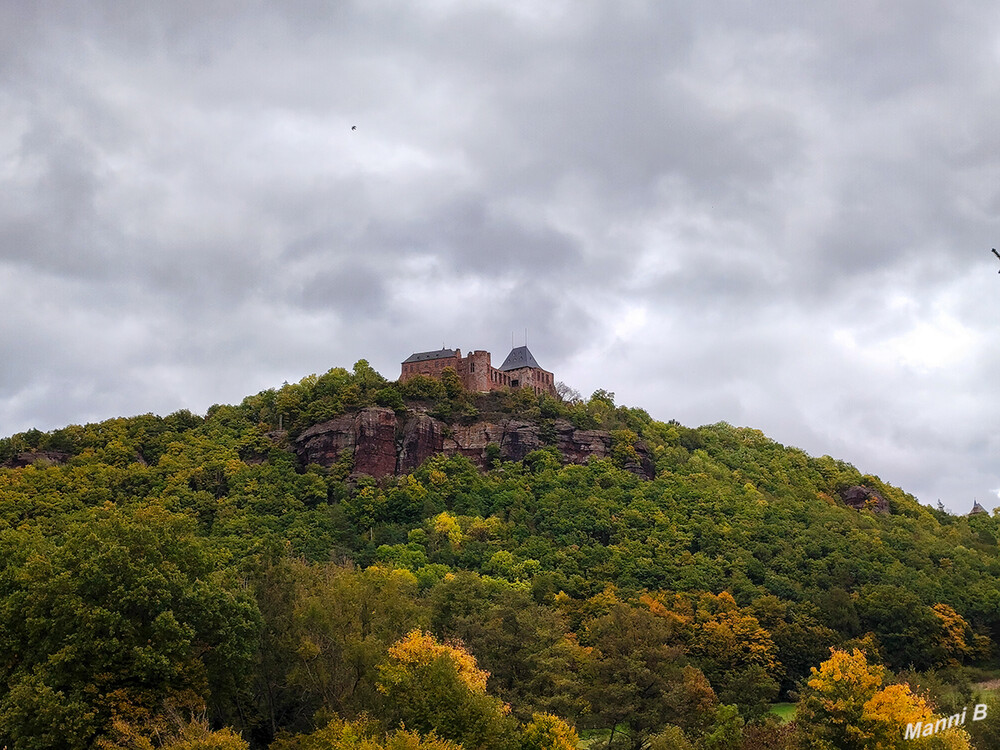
(778, 217)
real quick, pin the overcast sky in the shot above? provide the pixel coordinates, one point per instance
(772, 214)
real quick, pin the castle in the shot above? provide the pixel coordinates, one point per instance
(477, 373)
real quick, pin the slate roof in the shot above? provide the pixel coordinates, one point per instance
(518, 358)
(425, 356)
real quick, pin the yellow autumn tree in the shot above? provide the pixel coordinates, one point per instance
(191, 735)
(548, 732)
(362, 734)
(848, 706)
(717, 630)
(435, 687)
(420, 650)
(956, 635)
(736, 653)
(446, 526)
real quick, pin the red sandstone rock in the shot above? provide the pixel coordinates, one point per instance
(324, 443)
(579, 445)
(471, 441)
(515, 438)
(423, 436)
(375, 447)
(370, 435)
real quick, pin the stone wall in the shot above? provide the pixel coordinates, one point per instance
(539, 381)
(432, 368)
(474, 371)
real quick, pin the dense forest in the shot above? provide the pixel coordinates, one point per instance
(186, 582)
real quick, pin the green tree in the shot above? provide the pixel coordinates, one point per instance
(121, 616)
(342, 623)
(910, 632)
(534, 663)
(422, 388)
(670, 737)
(638, 681)
(986, 732)
(366, 377)
(452, 383)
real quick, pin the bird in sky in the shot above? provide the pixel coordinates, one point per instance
(355, 127)
(996, 254)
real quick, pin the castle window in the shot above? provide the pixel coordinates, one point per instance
(472, 366)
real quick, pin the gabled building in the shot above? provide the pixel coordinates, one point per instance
(523, 371)
(476, 370)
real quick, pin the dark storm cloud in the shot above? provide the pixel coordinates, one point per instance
(770, 215)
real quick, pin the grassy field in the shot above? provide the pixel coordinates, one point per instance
(590, 739)
(786, 711)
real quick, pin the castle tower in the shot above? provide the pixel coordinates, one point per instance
(523, 371)
(475, 371)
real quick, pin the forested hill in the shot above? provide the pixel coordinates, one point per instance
(186, 579)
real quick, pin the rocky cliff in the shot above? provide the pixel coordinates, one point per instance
(383, 443)
(860, 497)
(44, 458)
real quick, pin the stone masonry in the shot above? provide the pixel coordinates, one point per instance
(476, 370)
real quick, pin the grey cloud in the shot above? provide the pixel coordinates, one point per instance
(191, 219)
(52, 222)
(473, 237)
(349, 288)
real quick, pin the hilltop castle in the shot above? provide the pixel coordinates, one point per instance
(519, 370)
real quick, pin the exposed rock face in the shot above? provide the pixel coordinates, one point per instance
(370, 435)
(516, 439)
(27, 458)
(375, 449)
(323, 443)
(579, 445)
(860, 497)
(423, 436)
(383, 444)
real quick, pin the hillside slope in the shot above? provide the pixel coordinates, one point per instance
(205, 548)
